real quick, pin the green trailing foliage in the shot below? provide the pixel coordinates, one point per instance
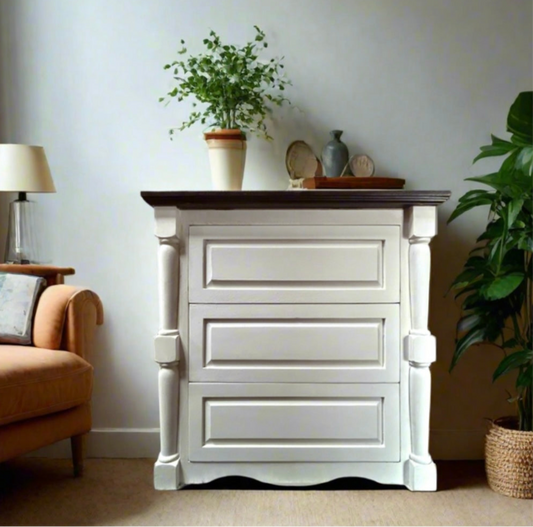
(495, 285)
(233, 88)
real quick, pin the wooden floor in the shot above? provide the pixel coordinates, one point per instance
(120, 492)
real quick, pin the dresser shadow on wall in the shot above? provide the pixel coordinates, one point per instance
(462, 399)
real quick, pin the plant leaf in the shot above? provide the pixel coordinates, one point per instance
(514, 208)
(526, 244)
(520, 117)
(518, 141)
(513, 361)
(503, 286)
(468, 322)
(474, 336)
(499, 147)
(493, 151)
(477, 193)
(525, 377)
(492, 180)
(524, 161)
(466, 206)
(476, 262)
(465, 278)
(509, 165)
(511, 343)
(467, 289)
(501, 142)
(494, 230)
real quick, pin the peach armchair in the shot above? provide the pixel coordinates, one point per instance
(45, 389)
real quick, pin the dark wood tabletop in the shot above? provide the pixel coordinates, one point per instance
(294, 199)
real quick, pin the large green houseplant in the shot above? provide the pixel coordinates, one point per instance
(495, 285)
(233, 90)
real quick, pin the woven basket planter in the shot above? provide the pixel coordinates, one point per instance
(509, 459)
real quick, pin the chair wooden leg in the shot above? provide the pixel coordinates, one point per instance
(78, 444)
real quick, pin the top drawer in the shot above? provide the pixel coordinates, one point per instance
(294, 264)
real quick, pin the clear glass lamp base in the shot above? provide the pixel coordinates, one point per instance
(22, 244)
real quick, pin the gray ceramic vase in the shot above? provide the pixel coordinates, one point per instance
(335, 155)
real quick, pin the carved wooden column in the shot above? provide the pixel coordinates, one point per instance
(167, 348)
(420, 347)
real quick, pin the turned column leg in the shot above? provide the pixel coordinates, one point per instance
(420, 349)
(419, 395)
(167, 350)
(168, 411)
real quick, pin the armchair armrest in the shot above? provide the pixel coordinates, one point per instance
(66, 318)
(84, 313)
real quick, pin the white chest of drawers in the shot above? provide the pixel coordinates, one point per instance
(293, 339)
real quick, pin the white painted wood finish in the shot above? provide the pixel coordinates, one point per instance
(295, 343)
(294, 264)
(167, 348)
(294, 422)
(420, 347)
(301, 351)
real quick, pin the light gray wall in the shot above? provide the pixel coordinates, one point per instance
(4, 114)
(419, 85)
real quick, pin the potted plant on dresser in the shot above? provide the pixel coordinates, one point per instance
(234, 89)
(495, 290)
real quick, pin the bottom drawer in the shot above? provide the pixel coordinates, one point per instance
(294, 422)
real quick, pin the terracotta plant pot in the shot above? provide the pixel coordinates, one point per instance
(227, 155)
(509, 459)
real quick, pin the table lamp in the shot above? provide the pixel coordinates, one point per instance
(23, 169)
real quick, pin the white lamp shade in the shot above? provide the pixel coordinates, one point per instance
(24, 168)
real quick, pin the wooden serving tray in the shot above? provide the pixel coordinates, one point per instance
(353, 182)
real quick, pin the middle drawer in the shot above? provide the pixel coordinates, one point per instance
(294, 343)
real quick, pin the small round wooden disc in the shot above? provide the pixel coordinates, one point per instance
(301, 162)
(362, 165)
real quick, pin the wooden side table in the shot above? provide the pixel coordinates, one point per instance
(54, 275)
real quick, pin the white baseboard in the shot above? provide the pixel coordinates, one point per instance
(110, 442)
(144, 443)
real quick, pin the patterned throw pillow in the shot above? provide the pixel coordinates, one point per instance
(18, 297)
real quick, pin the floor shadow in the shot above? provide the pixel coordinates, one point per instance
(244, 483)
(450, 475)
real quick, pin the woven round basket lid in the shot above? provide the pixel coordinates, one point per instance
(301, 161)
(361, 165)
